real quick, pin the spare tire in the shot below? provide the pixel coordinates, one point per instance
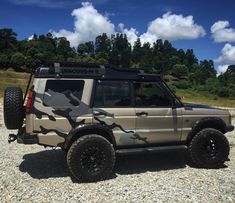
(13, 108)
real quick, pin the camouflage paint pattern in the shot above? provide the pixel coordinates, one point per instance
(52, 124)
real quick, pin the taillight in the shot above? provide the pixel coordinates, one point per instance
(29, 101)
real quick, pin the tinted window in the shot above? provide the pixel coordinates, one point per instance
(63, 92)
(112, 94)
(150, 95)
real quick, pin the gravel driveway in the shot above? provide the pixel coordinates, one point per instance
(34, 174)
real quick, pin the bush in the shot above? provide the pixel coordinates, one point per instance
(172, 87)
(179, 71)
(18, 59)
(223, 92)
(4, 61)
(183, 84)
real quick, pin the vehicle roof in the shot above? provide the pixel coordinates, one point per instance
(54, 69)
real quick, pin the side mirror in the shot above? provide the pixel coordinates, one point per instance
(175, 103)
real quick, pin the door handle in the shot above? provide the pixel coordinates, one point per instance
(98, 113)
(142, 113)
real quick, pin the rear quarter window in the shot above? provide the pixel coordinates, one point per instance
(63, 93)
(110, 94)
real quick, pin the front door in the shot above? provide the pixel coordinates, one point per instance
(156, 120)
(113, 107)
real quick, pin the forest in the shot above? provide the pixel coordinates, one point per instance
(180, 68)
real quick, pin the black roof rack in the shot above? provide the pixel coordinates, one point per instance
(54, 69)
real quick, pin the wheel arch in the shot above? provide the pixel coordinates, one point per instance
(86, 129)
(209, 122)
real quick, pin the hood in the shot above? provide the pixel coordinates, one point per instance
(201, 106)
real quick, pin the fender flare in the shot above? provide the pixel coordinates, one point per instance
(89, 128)
(208, 122)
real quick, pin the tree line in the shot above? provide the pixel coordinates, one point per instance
(181, 68)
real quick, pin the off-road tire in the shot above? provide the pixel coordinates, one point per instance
(76, 158)
(13, 108)
(209, 148)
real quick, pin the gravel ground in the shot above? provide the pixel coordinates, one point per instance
(34, 174)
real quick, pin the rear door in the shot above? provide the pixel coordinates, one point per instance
(156, 120)
(59, 106)
(113, 107)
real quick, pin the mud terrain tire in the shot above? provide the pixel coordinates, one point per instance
(91, 158)
(13, 108)
(209, 148)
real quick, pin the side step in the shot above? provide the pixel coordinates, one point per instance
(150, 149)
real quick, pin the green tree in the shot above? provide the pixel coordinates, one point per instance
(18, 59)
(86, 49)
(7, 40)
(137, 52)
(4, 61)
(190, 59)
(120, 54)
(146, 60)
(63, 50)
(103, 45)
(179, 71)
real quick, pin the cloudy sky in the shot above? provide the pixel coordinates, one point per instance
(207, 26)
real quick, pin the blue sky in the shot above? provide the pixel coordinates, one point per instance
(186, 23)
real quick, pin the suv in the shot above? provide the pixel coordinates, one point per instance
(95, 111)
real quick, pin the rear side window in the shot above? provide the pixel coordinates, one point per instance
(112, 94)
(63, 92)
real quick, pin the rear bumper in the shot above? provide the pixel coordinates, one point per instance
(229, 128)
(27, 138)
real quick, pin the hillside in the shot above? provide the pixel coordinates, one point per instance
(11, 78)
(188, 75)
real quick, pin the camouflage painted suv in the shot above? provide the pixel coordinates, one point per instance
(95, 111)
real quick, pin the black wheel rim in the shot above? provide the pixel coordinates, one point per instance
(210, 148)
(93, 159)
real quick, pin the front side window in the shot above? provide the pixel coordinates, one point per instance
(150, 94)
(112, 94)
(63, 92)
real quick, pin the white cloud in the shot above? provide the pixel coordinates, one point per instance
(228, 54)
(132, 34)
(88, 24)
(221, 32)
(221, 69)
(175, 27)
(30, 37)
(147, 37)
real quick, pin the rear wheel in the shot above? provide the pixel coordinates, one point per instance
(209, 148)
(13, 108)
(91, 158)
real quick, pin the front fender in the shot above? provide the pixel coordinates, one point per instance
(209, 122)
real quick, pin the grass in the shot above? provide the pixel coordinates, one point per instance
(192, 96)
(10, 78)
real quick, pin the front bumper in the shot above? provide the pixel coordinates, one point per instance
(229, 128)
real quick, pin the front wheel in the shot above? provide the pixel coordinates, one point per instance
(91, 158)
(209, 148)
